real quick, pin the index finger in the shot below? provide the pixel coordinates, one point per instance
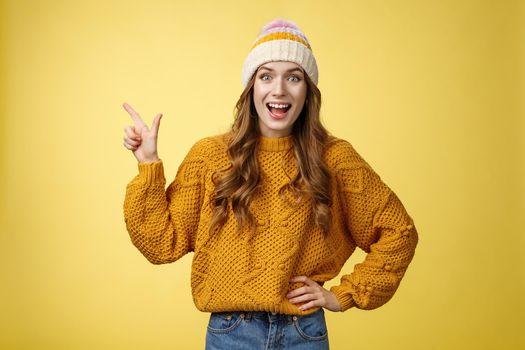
(134, 115)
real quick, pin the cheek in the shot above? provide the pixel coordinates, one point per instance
(302, 101)
(301, 94)
(259, 105)
(258, 97)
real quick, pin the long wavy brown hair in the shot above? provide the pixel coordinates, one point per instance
(237, 185)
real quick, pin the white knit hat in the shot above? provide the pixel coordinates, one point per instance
(280, 40)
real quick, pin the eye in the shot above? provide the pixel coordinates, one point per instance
(264, 75)
(297, 79)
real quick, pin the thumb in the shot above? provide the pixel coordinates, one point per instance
(156, 123)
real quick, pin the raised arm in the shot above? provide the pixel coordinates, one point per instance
(161, 223)
(379, 224)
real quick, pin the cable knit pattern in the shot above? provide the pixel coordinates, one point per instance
(251, 272)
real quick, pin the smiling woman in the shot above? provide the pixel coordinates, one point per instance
(279, 93)
(272, 209)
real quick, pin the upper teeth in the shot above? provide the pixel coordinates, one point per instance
(277, 106)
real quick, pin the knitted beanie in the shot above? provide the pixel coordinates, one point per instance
(280, 40)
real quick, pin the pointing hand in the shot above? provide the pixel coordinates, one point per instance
(140, 139)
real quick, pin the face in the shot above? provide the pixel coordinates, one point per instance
(279, 84)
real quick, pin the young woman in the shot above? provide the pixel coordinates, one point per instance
(271, 209)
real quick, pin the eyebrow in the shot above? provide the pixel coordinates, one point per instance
(289, 70)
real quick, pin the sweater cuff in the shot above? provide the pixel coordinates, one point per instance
(344, 297)
(152, 173)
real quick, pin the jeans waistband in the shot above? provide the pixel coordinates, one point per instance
(263, 315)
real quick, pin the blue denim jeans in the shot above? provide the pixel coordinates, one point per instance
(259, 330)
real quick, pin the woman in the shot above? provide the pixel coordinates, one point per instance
(271, 209)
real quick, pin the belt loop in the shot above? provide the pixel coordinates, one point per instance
(272, 316)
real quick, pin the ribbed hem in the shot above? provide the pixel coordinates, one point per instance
(284, 307)
(344, 298)
(152, 172)
(275, 144)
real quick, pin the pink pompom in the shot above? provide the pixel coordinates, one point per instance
(279, 23)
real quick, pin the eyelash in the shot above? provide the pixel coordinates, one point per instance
(267, 75)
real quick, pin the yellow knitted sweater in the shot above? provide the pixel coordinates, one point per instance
(251, 272)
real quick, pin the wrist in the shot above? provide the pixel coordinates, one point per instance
(150, 160)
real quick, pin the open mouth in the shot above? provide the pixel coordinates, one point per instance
(278, 111)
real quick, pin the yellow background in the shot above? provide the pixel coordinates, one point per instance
(429, 92)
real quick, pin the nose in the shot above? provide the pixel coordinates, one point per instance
(279, 88)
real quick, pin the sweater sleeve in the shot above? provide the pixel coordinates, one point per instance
(162, 223)
(379, 224)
